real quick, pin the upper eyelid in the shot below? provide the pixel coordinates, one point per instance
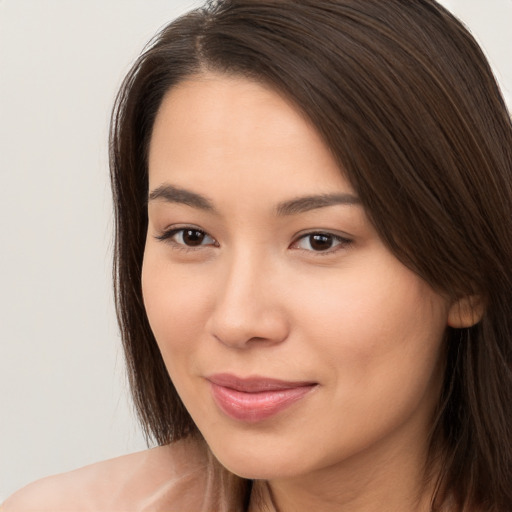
(176, 228)
(337, 234)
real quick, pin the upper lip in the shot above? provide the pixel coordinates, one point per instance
(254, 384)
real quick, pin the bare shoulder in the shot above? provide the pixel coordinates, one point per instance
(140, 481)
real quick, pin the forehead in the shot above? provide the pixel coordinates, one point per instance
(218, 128)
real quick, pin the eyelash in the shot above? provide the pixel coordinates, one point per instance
(167, 236)
(341, 242)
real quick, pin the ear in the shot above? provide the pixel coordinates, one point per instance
(466, 312)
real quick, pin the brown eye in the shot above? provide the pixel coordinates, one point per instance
(187, 237)
(321, 242)
(193, 237)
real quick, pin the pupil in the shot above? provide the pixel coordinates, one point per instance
(193, 237)
(320, 242)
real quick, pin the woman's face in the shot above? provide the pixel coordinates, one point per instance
(295, 339)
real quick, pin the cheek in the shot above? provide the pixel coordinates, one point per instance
(378, 341)
(176, 304)
(376, 328)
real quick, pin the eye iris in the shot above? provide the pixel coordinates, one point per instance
(320, 242)
(193, 237)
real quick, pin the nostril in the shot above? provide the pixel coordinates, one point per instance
(250, 333)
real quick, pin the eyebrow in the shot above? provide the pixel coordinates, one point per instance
(172, 194)
(307, 203)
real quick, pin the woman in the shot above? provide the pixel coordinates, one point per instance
(313, 266)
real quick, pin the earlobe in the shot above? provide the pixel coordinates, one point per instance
(466, 312)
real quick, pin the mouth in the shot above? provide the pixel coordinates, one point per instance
(255, 399)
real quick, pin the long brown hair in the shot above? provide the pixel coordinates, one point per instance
(406, 101)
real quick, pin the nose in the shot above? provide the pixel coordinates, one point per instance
(247, 309)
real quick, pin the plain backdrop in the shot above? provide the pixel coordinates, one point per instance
(63, 392)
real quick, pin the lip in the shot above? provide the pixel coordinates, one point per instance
(255, 399)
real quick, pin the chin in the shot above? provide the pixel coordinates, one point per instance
(257, 469)
(253, 462)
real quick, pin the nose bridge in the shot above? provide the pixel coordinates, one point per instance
(246, 307)
(241, 274)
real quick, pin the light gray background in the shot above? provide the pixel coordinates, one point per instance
(63, 394)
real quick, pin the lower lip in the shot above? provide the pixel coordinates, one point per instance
(254, 407)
